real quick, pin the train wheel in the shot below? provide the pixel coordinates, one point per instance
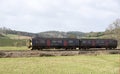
(106, 48)
(80, 48)
(66, 48)
(110, 48)
(40, 49)
(85, 49)
(114, 48)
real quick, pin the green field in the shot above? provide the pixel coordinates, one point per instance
(84, 64)
(12, 42)
(13, 48)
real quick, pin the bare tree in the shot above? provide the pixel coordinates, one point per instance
(114, 29)
(117, 28)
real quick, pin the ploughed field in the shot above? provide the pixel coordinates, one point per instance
(84, 64)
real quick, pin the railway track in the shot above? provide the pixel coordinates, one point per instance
(27, 50)
(37, 53)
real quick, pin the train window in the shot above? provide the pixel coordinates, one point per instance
(59, 41)
(89, 42)
(110, 41)
(70, 41)
(56, 41)
(36, 41)
(102, 41)
(42, 41)
(98, 41)
(83, 41)
(53, 41)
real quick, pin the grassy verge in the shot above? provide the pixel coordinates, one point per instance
(13, 48)
(101, 64)
(12, 42)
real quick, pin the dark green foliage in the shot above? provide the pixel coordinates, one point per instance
(95, 34)
(100, 34)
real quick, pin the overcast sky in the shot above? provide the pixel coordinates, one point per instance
(60, 15)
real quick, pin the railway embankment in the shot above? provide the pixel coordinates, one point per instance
(38, 53)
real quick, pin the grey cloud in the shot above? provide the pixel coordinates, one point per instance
(63, 15)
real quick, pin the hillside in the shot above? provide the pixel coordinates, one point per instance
(6, 31)
(47, 34)
(58, 34)
(12, 40)
(13, 34)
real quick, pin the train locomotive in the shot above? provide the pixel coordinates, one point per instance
(70, 43)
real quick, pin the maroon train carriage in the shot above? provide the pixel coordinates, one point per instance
(98, 43)
(70, 43)
(47, 43)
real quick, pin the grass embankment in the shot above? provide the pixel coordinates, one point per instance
(13, 40)
(12, 36)
(14, 48)
(101, 64)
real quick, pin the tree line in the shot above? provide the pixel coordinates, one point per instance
(4, 30)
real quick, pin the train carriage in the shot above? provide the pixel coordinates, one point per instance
(46, 43)
(71, 43)
(98, 43)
